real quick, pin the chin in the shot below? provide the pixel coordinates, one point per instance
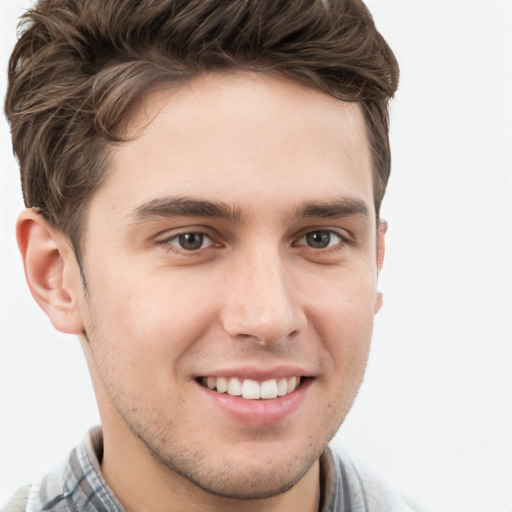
(242, 476)
(250, 483)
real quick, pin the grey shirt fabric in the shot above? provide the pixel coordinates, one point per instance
(80, 486)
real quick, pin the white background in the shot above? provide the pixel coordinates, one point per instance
(434, 416)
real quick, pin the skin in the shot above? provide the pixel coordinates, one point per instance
(256, 294)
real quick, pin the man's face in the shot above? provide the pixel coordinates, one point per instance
(233, 244)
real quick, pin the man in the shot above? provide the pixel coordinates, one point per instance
(203, 182)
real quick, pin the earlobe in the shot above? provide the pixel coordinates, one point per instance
(381, 249)
(51, 271)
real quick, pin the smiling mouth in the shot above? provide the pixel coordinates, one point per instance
(252, 389)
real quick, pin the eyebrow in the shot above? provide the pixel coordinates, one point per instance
(336, 209)
(190, 207)
(186, 207)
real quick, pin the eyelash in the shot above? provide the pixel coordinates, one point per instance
(168, 242)
(341, 242)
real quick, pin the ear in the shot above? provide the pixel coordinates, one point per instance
(381, 249)
(51, 270)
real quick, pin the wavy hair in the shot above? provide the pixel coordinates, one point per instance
(79, 65)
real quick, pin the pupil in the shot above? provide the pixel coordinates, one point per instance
(318, 239)
(191, 241)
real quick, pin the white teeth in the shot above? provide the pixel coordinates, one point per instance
(234, 387)
(282, 387)
(269, 389)
(251, 389)
(222, 384)
(292, 384)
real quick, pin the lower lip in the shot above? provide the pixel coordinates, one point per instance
(258, 412)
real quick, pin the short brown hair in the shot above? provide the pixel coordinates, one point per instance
(79, 65)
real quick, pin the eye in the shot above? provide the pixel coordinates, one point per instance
(320, 239)
(190, 241)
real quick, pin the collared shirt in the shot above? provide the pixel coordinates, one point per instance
(80, 486)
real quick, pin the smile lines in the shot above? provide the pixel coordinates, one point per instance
(252, 389)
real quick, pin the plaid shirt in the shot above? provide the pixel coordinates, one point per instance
(80, 487)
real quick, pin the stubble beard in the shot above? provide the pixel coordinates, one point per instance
(226, 479)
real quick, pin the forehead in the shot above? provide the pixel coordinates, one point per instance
(242, 138)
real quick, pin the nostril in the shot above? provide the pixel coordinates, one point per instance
(262, 323)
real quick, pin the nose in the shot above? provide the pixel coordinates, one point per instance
(262, 304)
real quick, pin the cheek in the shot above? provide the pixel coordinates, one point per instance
(342, 315)
(146, 319)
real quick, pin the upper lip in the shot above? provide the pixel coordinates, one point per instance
(259, 374)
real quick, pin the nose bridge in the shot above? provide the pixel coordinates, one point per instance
(260, 301)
